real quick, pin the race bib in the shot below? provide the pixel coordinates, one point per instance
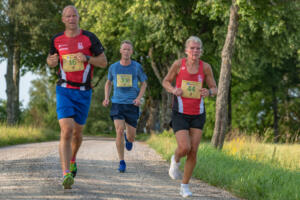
(191, 89)
(124, 80)
(70, 64)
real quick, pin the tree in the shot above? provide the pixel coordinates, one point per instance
(158, 39)
(2, 111)
(224, 81)
(24, 42)
(41, 111)
(267, 43)
(268, 35)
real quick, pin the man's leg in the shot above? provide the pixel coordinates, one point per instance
(76, 143)
(65, 150)
(195, 135)
(119, 126)
(76, 139)
(130, 132)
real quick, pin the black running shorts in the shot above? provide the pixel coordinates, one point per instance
(185, 122)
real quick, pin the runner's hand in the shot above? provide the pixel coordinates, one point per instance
(105, 102)
(80, 57)
(204, 92)
(53, 60)
(137, 102)
(177, 91)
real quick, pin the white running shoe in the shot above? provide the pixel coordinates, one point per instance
(174, 172)
(185, 191)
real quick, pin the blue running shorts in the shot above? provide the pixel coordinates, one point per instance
(127, 112)
(73, 103)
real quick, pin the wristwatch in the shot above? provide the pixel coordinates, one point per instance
(87, 58)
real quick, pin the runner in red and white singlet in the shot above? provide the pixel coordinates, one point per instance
(77, 52)
(188, 115)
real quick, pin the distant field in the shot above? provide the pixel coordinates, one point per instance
(251, 172)
(25, 134)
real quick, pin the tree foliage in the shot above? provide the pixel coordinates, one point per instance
(265, 66)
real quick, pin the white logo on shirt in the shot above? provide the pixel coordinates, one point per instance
(62, 45)
(199, 78)
(80, 45)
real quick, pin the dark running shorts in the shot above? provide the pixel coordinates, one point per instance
(185, 122)
(127, 112)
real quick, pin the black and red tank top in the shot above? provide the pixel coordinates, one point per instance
(186, 105)
(75, 75)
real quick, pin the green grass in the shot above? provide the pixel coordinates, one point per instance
(25, 134)
(142, 137)
(247, 178)
(281, 155)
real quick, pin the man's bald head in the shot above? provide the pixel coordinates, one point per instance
(69, 7)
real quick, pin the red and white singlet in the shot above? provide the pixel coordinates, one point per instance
(74, 74)
(186, 105)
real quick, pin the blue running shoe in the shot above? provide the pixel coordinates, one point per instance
(128, 144)
(122, 166)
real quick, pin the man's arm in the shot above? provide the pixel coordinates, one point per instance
(98, 61)
(137, 101)
(107, 90)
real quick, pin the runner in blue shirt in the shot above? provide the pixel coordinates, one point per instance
(124, 75)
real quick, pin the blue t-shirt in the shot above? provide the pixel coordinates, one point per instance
(125, 81)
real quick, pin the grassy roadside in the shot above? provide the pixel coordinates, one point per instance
(244, 177)
(25, 134)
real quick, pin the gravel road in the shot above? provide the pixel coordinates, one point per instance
(32, 171)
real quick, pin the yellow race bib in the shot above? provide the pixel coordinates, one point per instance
(191, 89)
(124, 80)
(70, 64)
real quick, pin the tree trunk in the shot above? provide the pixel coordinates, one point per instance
(224, 81)
(143, 118)
(229, 108)
(275, 114)
(166, 110)
(153, 120)
(13, 69)
(12, 85)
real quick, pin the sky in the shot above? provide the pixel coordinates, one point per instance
(25, 84)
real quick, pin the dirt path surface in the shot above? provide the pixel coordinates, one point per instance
(33, 171)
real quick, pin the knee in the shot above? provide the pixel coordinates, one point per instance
(77, 135)
(184, 150)
(192, 155)
(120, 135)
(130, 137)
(66, 133)
(120, 131)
